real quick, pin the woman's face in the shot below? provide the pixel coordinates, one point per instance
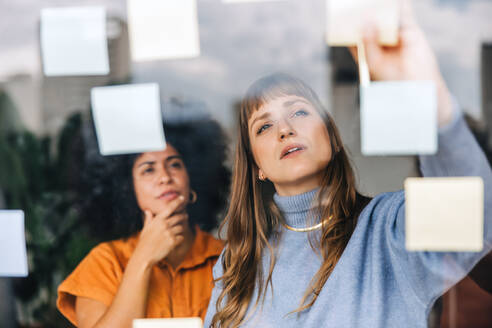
(290, 144)
(158, 178)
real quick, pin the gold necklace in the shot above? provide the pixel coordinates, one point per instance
(312, 228)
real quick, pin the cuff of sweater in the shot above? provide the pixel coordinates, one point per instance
(457, 116)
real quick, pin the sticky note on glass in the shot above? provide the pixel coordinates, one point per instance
(398, 118)
(73, 41)
(13, 256)
(168, 323)
(346, 18)
(238, 1)
(163, 29)
(444, 214)
(128, 118)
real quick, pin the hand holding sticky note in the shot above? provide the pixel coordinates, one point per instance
(397, 117)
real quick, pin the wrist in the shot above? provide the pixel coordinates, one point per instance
(444, 104)
(140, 260)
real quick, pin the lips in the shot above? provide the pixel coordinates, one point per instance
(291, 149)
(168, 195)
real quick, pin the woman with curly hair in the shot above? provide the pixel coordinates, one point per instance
(304, 248)
(155, 204)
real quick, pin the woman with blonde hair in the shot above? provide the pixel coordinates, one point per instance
(304, 248)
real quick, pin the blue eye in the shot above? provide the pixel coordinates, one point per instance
(263, 128)
(301, 112)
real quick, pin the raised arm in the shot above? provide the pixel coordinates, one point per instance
(429, 273)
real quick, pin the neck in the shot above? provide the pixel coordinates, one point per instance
(299, 186)
(178, 254)
(298, 211)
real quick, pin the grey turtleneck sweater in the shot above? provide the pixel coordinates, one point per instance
(376, 283)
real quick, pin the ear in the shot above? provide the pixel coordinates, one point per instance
(261, 175)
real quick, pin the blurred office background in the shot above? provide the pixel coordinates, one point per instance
(239, 43)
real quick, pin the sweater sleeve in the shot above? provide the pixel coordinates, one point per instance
(212, 305)
(430, 274)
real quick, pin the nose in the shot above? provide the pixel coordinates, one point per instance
(165, 177)
(285, 129)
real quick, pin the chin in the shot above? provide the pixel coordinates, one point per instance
(299, 173)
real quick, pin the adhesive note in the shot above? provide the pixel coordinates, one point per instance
(13, 255)
(444, 214)
(163, 29)
(346, 18)
(73, 41)
(398, 118)
(168, 323)
(238, 1)
(128, 118)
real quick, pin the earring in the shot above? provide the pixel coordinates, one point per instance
(193, 197)
(261, 176)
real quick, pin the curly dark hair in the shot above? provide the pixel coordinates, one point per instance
(108, 200)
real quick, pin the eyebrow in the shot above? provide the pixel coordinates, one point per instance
(261, 117)
(292, 102)
(167, 159)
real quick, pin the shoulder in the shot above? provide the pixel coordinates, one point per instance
(119, 250)
(105, 262)
(383, 212)
(212, 244)
(218, 269)
(97, 276)
(205, 247)
(385, 203)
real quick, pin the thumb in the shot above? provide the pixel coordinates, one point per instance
(147, 217)
(407, 16)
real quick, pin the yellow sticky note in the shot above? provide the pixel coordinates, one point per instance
(346, 18)
(444, 214)
(168, 323)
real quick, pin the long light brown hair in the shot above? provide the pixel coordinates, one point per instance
(253, 218)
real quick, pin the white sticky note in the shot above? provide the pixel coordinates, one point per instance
(444, 214)
(13, 255)
(398, 118)
(168, 323)
(346, 18)
(73, 41)
(128, 118)
(163, 29)
(239, 1)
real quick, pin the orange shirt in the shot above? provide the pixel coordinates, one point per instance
(181, 292)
